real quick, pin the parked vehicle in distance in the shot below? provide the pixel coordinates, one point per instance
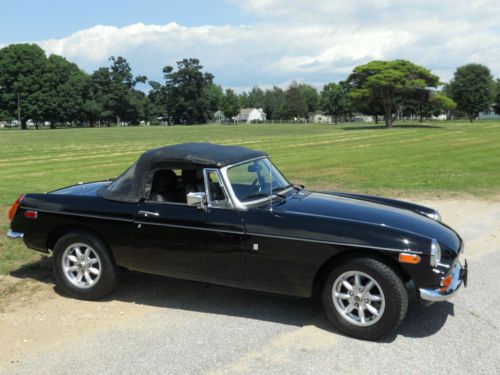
(226, 215)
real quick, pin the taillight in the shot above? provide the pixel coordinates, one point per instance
(13, 209)
(30, 214)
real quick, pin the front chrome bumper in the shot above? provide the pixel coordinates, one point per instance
(459, 277)
(14, 235)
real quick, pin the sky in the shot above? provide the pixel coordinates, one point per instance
(260, 42)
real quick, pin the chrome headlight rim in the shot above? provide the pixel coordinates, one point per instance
(435, 253)
(434, 216)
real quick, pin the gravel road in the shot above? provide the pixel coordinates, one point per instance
(160, 325)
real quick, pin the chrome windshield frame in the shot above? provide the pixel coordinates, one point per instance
(244, 206)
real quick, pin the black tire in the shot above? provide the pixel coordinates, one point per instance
(394, 292)
(109, 273)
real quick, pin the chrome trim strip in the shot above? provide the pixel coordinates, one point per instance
(149, 201)
(245, 161)
(435, 295)
(229, 199)
(15, 235)
(188, 227)
(334, 243)
(84, 215)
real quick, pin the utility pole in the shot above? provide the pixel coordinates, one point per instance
(19, 110)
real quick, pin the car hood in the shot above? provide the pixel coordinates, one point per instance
(360, 210)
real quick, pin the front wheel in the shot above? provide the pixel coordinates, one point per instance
(365, 298)
(84, 267)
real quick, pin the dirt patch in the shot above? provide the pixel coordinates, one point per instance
(39, 319)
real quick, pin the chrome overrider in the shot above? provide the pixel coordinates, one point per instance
(459, 277)
(12, 234)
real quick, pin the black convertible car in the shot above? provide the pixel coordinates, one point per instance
(226, 215)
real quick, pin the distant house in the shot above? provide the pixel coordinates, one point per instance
(219, 117)
(250, 115)
(489, 115)
(440, 117)
(320, 118)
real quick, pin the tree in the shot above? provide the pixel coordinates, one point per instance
(335, 99)
(156, 101)
(427, 103)
(97, 98)
(212, 96)
(295, 103)
(184, 92)
(23, 88)
(65, 90)
(311, 96)
(369, 106)
(440, 102)
(274, 103)
(390, 81)
(230, 104)
(255, 98)
(123, 101)
(472, 89)
(496, 97)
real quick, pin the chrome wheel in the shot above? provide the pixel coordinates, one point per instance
(358, 298)
(81, 265)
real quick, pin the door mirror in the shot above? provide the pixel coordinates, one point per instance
(197, 199)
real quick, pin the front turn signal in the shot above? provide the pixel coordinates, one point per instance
(409, 258)
(445, 283)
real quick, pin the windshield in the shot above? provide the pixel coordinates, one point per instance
(255, 179)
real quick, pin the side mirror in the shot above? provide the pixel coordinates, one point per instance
(197, 199)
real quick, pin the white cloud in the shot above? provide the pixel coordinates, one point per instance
(316, 41)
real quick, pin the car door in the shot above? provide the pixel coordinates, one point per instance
(190, 242)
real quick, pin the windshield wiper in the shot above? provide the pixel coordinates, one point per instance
(279, 188)
(256, 195)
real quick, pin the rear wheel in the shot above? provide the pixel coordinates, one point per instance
(84, 267)
(365, 298)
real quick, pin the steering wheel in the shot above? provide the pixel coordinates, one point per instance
(261, 182)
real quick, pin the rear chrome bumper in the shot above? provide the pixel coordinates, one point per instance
(459, 277)
(14, 235)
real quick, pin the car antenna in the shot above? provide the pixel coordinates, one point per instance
(270, 176)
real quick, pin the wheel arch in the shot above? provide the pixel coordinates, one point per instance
(353, 253)
(62, 230)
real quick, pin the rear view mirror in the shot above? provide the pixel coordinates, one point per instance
(254, 168)
(197, 199)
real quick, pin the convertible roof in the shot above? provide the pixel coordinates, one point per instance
(135, 183)
(199, 154)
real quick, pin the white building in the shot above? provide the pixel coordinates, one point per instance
(250, 115)
(489, 115)
(320, 118)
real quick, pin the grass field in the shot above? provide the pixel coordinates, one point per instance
(438, 158)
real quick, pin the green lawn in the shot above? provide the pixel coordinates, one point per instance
(437, 158)
(460, 158)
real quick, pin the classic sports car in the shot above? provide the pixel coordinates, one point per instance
(226, 215)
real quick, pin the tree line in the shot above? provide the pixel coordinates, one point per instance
(43, 88)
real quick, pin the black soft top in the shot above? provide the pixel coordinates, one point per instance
(135, 183)
(198, 154)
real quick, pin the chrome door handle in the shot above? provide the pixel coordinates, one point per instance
(148, 213)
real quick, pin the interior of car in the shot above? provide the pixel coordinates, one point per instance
(169, 186)
(173, 185)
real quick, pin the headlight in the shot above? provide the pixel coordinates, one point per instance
(435, 253)
(434, 216)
